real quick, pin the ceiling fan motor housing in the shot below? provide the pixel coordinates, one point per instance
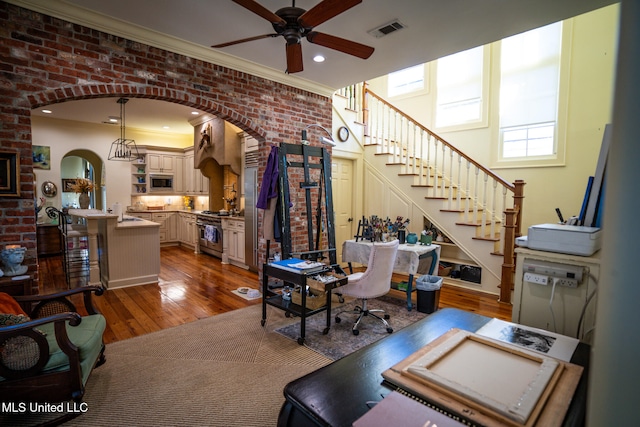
(292, 31)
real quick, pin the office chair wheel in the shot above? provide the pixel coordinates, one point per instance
(338, 320)
(356, 332)
(262, 322)
(387, 317)
(325, 331)
(389, 330)
(300, 341)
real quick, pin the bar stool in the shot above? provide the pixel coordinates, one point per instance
(75, 246)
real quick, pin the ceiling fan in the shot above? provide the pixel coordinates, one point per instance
(294, 24)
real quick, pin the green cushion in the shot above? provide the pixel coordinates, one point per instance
(87, 336)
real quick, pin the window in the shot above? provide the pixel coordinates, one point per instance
(459, 88)
(406, 81)
(529, 87)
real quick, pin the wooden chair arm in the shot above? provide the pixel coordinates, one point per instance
(59, 302)
(26, 349)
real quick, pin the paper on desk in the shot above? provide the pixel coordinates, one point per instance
(534, 339)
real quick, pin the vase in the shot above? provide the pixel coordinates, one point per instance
(84, 200)
(402, 234)
(412, 238)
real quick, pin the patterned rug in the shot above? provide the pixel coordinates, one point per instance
(340, 340)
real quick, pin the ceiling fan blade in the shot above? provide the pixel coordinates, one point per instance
(294, 58)
(248, 39)
(260, 10)
(324, 11)
(340, 44)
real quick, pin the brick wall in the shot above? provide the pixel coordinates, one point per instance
(45, 60)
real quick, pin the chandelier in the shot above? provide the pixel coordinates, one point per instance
(123, 149)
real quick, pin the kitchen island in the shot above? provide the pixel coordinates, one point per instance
(121, 254)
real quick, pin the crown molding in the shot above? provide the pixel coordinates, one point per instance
(88, 18)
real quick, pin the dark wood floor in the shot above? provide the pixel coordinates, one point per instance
(195, 286)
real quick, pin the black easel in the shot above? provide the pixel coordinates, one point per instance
(312, 158)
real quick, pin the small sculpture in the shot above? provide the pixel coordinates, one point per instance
(12, 258)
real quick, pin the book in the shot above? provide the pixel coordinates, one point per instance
(400, 410)
(296, 265)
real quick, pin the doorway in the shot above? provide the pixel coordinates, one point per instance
(82, 164)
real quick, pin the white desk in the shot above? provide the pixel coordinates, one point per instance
(411, 259)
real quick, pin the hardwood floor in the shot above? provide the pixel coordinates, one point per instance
(195, 286)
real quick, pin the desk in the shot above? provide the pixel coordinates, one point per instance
(336, 394)
(295, 279)
(411, 259)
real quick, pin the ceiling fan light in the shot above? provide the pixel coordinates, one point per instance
(319, 58)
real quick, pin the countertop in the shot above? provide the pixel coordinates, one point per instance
(194, 212)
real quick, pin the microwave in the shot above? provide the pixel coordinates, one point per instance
(160, 182)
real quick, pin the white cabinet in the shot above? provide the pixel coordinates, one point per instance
(562, 309)
(161, 162)
(168, 226)
(187, 229)
(194, 182)
(233, 241)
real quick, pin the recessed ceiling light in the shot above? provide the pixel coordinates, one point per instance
(195, 113)
(166, 127)
(318, 58)
(47, 111)
(113, 119)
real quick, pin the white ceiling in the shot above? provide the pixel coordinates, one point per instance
(434, 28)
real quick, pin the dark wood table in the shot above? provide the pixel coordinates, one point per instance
(336, 394)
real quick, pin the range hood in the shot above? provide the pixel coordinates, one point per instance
(215, 139)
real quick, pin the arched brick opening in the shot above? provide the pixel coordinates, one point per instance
(47, 60)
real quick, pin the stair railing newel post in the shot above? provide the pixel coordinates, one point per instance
(508, 265)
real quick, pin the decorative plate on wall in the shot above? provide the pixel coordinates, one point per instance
(49, 189)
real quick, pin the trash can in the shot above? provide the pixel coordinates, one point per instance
(428, 288)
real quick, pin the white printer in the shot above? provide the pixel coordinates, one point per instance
(566, 239)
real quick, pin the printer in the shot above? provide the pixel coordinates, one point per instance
(566, 239)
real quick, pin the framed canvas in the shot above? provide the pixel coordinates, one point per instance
(9, 173)
(41, 157)
(67, 185)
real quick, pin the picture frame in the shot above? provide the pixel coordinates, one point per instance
(9, 173)
(67, 185)
(41, 157)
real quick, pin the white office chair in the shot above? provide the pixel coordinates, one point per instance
(375, 281)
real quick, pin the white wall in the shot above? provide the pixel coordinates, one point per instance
(65, 135)
(590, 92)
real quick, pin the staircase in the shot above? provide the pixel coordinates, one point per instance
(474, 207)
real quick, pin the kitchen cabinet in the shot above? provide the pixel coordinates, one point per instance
(168, 226)
(161, 163)
(194, 182)
(233, 240)
(187, 229)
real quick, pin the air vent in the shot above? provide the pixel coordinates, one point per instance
(388, 28)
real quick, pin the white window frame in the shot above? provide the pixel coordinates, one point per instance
(411, 92)
(557, 158)
(483, 121)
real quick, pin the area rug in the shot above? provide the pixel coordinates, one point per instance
(340, 340)
(226, 370)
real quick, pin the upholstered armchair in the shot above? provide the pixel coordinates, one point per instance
(374, 282)
(47, 348)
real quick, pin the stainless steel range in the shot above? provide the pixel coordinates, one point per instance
(210, 233)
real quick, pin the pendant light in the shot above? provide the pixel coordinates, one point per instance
(123, 149)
